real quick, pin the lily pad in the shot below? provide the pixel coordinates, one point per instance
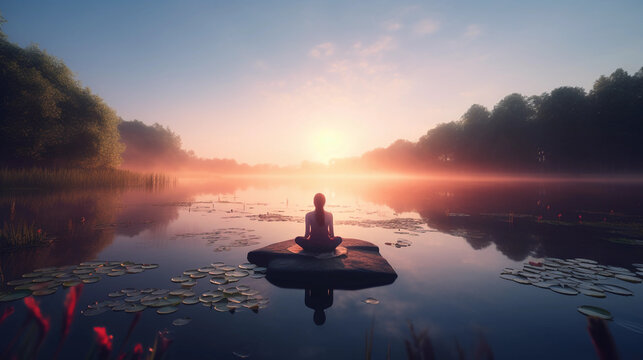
(94, 311)
(247, 266)
(179, 279)
(628, 278)
(166, 310)
(259, 269)
(135, 308)
(133, 299)
(149, 266)
(615, 289)
(371, 301)
(594, 311)
(188, 283)
(517, 278)
(181, 321)
(565, 290)
(190, 300)
(71, 283)
(14, 295)
(237, 273)
(19, 282)
(43, 292)
(218, 281)
(221, 307)
(592, 293)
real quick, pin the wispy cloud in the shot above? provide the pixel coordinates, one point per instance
(384, 43)
(392, 26)
(322, 50)
(260, 65)
(472, 31)
(426, 27)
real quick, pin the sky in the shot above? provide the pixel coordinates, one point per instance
(286, 82)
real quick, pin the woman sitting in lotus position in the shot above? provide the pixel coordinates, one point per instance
(320, 236)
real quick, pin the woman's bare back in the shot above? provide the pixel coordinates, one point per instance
(315, 230)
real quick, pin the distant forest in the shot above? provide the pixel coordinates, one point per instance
(47, 119)
(564, 131)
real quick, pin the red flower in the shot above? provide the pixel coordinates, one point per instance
(5, 314)
(70, 306)
(34, 309)
(104, 340)
(138, 349)
(39, 231)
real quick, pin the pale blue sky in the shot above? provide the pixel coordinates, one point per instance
(290, 81)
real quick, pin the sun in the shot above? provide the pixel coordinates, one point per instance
(328, 144)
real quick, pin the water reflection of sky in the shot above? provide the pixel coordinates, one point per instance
(445, 283)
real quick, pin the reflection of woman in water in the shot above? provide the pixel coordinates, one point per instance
(320, 236)
(319, 299)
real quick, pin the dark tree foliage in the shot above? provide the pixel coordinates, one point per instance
(564, 131)
(46, 118)
(150, 146)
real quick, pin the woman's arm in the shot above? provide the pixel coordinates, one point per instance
(331, 231)
(307, 226)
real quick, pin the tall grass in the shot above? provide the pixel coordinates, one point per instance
(21, 234)
(81, 178)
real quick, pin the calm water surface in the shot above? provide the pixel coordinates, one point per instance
(461, 236)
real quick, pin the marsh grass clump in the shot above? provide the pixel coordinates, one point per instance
(81, 178)
(21, 234)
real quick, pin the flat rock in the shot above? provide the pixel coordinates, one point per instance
(361, 267)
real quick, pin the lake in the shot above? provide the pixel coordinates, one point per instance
(448, 241)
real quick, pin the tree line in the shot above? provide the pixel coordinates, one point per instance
(567, 130)
(47, 118)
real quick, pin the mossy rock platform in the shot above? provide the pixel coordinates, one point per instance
(361, 267)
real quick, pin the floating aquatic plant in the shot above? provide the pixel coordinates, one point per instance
(46, 281)
(226, 238)
(227, 298)
(595, 311)
(573, 276)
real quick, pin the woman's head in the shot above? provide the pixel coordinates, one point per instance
(319, 200)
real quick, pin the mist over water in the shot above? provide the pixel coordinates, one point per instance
(448, 241)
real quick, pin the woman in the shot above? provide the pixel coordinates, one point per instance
(320, 236)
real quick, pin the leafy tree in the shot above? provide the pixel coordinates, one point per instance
(48, 118)
(566, 130)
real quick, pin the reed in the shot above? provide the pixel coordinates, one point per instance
(21, 234)
(81, 178)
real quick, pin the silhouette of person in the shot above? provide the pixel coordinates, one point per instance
(319, 236)
(319, 299)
